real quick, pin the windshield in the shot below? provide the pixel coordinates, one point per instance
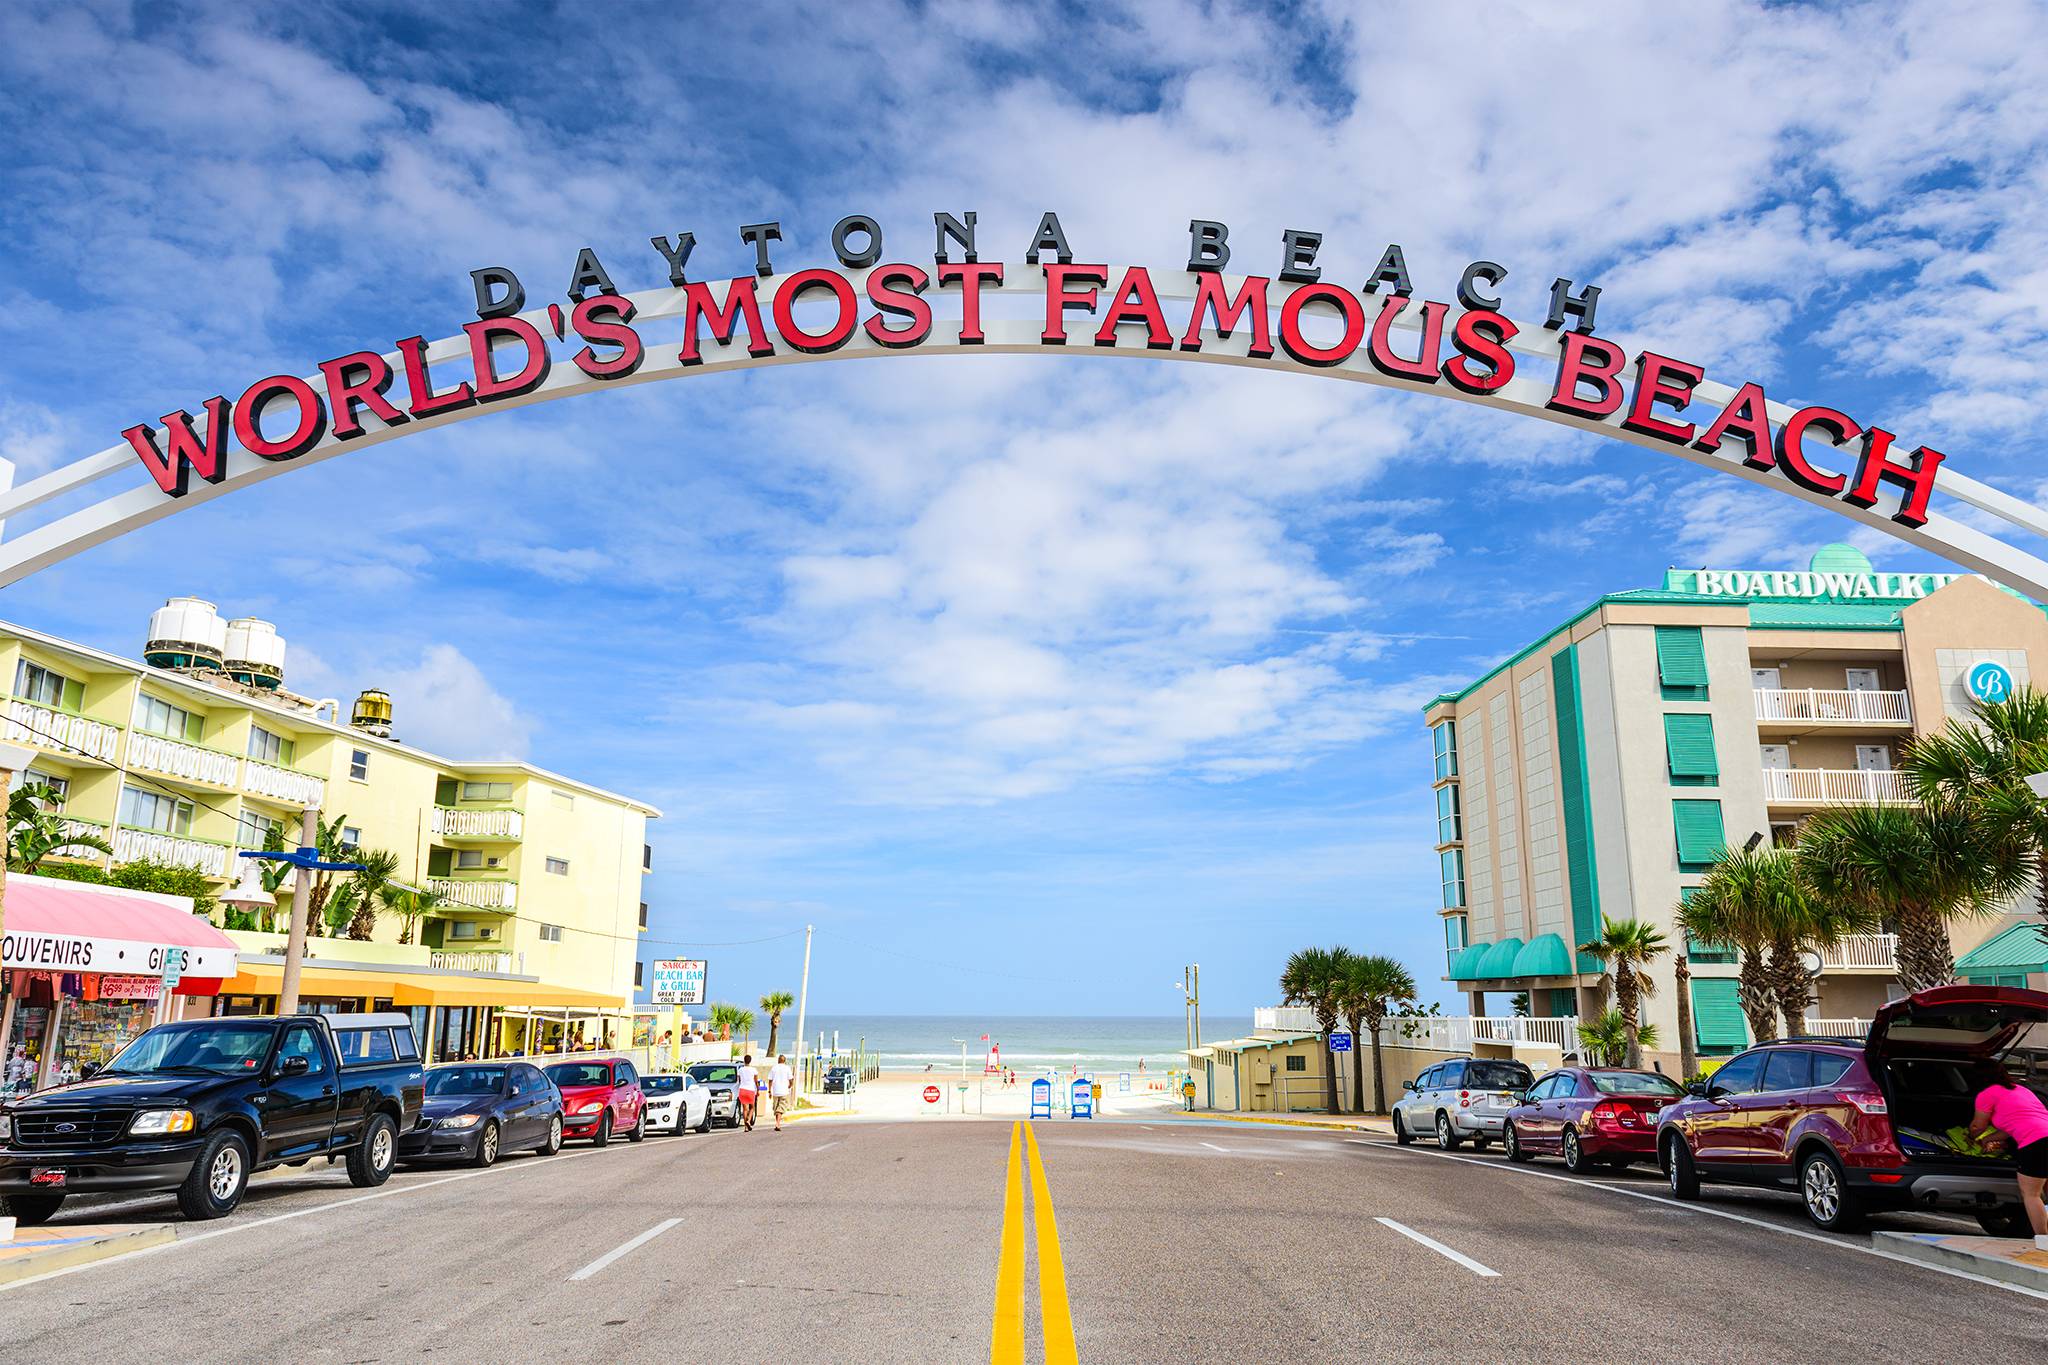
(1497, 1076)
(1635, 1083)
(466, 1080)
(660, 1085)
(566, 1074)
(715, 1072)
(223, 1049)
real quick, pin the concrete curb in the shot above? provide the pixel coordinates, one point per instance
(2012, 1260)
(38, 1251)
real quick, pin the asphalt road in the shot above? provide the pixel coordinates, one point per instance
(1175, 1240)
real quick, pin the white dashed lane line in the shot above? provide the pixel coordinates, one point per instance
(1440, 1249)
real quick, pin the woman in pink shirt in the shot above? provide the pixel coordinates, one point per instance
(2018, 1113)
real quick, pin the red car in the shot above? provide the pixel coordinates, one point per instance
(1861, 1127)
(600, 1097)
(1591, 1116)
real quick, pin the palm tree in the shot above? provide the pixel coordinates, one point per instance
(410, 906)
(327, 842)
(1370, 987)
(36, 829)
(1626, 947)
(772, 1005)
(379, 867)
(1314, 977)
(1915, 868)
(1746, 895)
(742, 1023)
(1688, 1045)
(1981, 765)
(1608, 1037)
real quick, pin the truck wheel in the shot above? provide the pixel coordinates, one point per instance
(604, 1131)
(1830, 1203)
(554, 1142)
(486, 1146)
(369, 1161)
(31, 1210)
(1679, 1170)
(214, 1185)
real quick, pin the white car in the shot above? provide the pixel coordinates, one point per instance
(675, 1102)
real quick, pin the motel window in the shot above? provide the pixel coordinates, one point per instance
(1296, 1062)
(33, 682)
(1682, 663)
(1443, 737)
(647, 857)
(643, 914)
(253, 828)
(637, 974)
(1448, 827)
(1454, 938)
(462, 928)
(1689, 750)
(469, 857)
(266, 747)
(155, 716)
(60, 787)
(558, 866)
(359, 764)
(147, 810)
(1452, 864)
(1699, 832)
(351, 837)
(487, 791)
(552, 933)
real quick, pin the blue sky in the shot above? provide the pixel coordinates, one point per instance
(1026, 680)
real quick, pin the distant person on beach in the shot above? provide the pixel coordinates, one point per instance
(749, 1087)
(780, 1078)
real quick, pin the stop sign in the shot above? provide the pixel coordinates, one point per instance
(931, 1094)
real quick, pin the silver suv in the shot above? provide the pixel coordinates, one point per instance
(1468, 1098)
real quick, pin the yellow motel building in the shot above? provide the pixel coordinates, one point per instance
(196, 752)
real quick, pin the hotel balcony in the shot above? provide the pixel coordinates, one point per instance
(186, 762)
(1835, 787)
(71, 736)
(204, 854)
(499, 825)
(1448, 1033)
(477, 960)
(467, 894)
(1802, 710)
(1862, 953)
(283, 785)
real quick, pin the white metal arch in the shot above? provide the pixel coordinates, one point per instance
(136, 506)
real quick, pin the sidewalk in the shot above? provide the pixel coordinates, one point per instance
(2010, 1260)
(37, 1251)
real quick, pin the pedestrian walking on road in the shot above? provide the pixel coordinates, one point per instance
(2017, 1112)
(750, 1085)
(780, 1080)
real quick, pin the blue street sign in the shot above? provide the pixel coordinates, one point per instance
(1989, 682)
(1083, 1106)
(174, 967)
(1340, 1042)
(1041, 1098)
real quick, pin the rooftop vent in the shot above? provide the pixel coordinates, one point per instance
(372, 713)
(255, 654)
(185, 632)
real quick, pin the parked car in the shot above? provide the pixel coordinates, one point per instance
(1856, 1128)
(601, 1097)
(722, 1082)
(841, 1080)
(199, 1106)
(1460, 1100)
(675, 1103)
(1591, 1116)
(475, 1110)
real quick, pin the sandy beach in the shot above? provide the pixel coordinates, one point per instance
(899, 1094)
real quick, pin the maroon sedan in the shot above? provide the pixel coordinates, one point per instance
(1591, 1116)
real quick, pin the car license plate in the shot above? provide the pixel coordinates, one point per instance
(45, 1176)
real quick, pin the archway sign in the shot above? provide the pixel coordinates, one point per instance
(1295, 319)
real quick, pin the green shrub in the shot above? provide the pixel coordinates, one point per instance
(145, 874)
(72, 872)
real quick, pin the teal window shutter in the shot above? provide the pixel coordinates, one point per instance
(1717, 1020)
(1581, 862)
(1689, 746)
(1699, 831)
(1682, 659)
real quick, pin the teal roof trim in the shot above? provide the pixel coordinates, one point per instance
(1544, 955)
(2020, 948)
(1499, 962)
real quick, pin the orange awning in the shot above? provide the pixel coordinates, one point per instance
(415, 988)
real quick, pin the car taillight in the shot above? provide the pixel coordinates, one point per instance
(1609, 1113)
(1868, 1101)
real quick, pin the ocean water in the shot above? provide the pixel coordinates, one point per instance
(1028, 1042)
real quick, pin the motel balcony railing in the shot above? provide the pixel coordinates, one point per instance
(477, 960)
(175, 758)
(458, 822)
(1448, 1033)
(203, 854)
(1825, 706)
(1835, 787)
(476, 895)
(283, 785)
(35, 725)
(1862, 952)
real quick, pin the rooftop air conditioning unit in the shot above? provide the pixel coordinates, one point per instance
(486, 933)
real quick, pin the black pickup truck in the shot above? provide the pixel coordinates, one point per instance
(199, 1106)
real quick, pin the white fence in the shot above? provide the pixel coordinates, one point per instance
(478, 824)
(1836, 786)
(477, 960)
(28, 723)
(1449, 1033)
(130, 844)
(1877, 952)
(478, 895)
(1826, 704)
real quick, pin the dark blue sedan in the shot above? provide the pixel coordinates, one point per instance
(476, 1110)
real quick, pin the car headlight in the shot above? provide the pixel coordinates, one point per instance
(591, 1108)
(460, 1121)
(6, 1127)
(162, 1121)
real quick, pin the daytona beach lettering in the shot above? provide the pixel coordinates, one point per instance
(1083, 304)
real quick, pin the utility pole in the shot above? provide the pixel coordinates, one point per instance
(302, 896)
(803, 998)
(14, 758)
(1195, 1003)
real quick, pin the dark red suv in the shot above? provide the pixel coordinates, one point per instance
(1861, 1127)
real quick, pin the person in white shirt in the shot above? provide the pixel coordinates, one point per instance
(749, 1086)
(780, 1079)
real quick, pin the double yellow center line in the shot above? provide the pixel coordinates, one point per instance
(1056, 1319)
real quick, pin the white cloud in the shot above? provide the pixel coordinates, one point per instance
(443, 703)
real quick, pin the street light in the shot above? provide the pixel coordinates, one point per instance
(306, 858)
(1191, 986)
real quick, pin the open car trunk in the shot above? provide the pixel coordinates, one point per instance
(1923, 1049)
